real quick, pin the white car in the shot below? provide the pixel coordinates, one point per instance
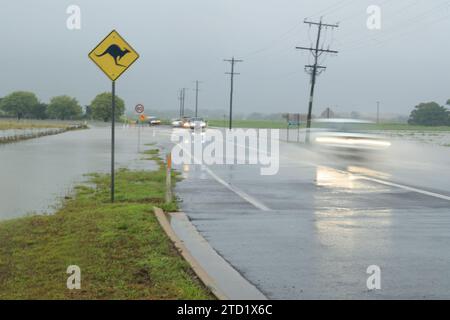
(153, 121)
(197, 123)
(346, 136)
(177, 123)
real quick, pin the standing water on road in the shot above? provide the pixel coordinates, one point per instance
(35, 174)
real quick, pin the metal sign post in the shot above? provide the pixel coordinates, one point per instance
(113, 55)
(139, 136)
(113, 137)
(139, 110)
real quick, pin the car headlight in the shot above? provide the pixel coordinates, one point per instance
(353, 141)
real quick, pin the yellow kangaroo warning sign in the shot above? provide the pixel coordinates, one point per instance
(113, 55)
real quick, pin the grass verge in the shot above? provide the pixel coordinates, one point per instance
(256, 124)
(121, 249)
(8, 124)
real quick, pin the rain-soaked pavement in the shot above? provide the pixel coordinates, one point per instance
(35, 174)
(312, 230)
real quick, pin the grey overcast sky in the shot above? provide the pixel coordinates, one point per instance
(179, 41)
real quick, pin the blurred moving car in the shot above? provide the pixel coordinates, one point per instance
(153, 121)
(177, 123)
(197, 123)
(346, 136)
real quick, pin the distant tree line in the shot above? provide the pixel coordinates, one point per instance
(430, 114)
(23, 104)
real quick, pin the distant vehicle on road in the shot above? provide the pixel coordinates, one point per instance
(153, 121)
(186, 122)
(346, 137)
(177, 123)
(197, 123)
(181, 123)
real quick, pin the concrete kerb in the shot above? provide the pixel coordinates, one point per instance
(215, 272)
(196, 267)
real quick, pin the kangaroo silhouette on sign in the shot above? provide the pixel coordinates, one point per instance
(116, 53)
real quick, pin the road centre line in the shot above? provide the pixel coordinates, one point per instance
(256, 203)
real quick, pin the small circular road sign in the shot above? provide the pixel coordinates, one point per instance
(139, 108)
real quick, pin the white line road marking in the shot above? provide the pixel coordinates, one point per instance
(428, 193)
(239, 192)
(396, 185)
(257, 204)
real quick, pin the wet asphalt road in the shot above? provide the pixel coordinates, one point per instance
(312, 230)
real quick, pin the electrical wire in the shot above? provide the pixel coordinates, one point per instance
(400, 27)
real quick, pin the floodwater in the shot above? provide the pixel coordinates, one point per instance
(36, 174)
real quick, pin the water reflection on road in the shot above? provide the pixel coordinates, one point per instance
(35, 174)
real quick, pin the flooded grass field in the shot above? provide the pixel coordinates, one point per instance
(439, 138)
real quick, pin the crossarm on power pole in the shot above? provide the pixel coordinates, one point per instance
(318, 50)
(321, 24)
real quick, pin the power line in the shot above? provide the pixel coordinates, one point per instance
(333, 8)
(315, 69)
(233, 61)
(273, 42)
(403, 28)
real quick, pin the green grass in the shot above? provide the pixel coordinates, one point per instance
(32, 124)
(121, 249)
(257, 124)
(405, 127)
(278, 124)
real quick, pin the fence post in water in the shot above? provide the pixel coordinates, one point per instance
(169, 178)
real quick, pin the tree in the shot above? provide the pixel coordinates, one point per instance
(39, 111)
(64, 108)
(102, 104)
(430, 114)
(19, 104)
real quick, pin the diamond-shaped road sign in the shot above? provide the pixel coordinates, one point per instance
(113, 55)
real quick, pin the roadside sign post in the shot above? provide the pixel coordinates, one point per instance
(293, 120)
(113, 55)
(139, 110)
(113, 137)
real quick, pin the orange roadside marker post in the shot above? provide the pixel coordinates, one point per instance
(169, 178)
